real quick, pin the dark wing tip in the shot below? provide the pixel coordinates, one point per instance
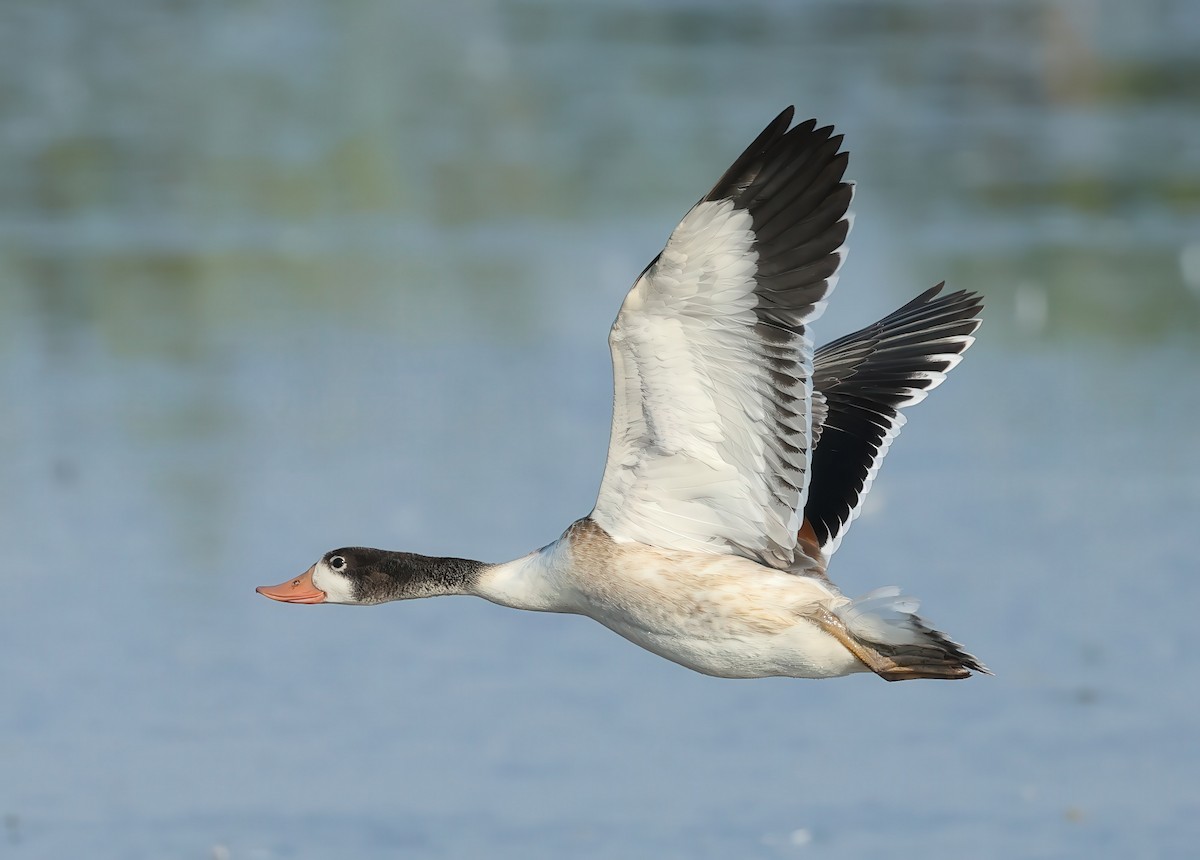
(739, 173)
(764, 149)
(866, 379)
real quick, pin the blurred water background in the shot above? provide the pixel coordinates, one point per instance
(277, 277)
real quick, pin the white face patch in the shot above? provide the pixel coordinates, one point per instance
(336, 586)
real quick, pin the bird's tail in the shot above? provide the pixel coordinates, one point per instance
(896, 644)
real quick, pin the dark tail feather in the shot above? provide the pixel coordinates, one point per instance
(898, 645)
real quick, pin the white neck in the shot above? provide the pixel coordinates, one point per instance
(538, 581)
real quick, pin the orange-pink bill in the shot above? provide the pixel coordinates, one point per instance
(298, 590)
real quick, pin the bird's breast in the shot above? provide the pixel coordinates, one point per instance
(717, 614)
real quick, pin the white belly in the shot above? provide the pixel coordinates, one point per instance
(719, 615)
(802, 651)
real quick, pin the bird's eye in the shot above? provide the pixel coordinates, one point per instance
(337, 562)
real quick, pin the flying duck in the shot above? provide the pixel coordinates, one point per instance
(739, 455)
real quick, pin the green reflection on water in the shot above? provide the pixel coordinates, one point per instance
(1096, 194)
(1071, 292)
(190, 170)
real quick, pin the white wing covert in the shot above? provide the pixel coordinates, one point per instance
(712, 362)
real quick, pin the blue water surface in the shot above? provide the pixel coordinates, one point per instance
(280, 277)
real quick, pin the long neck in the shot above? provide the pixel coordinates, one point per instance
(534, 581)
(405, 575)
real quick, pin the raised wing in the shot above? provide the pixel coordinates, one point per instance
(862, 382)
(711, 432)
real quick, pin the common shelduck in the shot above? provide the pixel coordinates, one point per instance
(738, 457)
